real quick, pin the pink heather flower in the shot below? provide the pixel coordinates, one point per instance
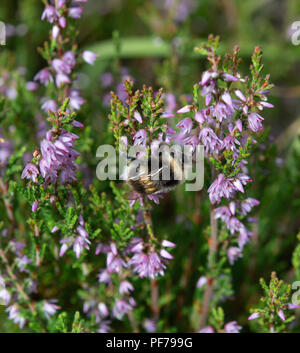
(221, 187)
(246, 205)
(229, 78)
(200, 117)
(207, 76)
(43, 76)
(210, 140)
(89, 57)
(62, 22)
(207, 329)
(121, 308)
(140, 138)
(137, 116)
(69, 59)
(281, 315)
(54, 229)
(155, 198)
(254, 121)
(50, 14)
(61, 79)
(60, 66)
(170, 103)
(266, 105)
(103, 309)
(104, 276)
(147, 264)
(104, 326)
(243, 237)
(230, 142)
(228, 100)
(240, 95)
(125, 287)
(293, 306)
(75, 12)
(32, 86)
(150, 325)
(55, 32)
(50, 308)
(239, 125)
(114, 263)
(81, 241)
(15, 315)
(201, 282)
(22, 262)
(168, 244)
(75, 100)
(34, 207)
(223, 212)
(233, 253)
(185, 109)
(221, 111)
(60, 3)
(185, 125)
(240, 180)
(234, 225)
(49, 105)
(254, 316)
(4, 295)
(232, 327)
(166, 254)
(232, 207)
(30, 172)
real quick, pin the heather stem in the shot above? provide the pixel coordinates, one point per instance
(154, 283)
(15, 280)
(213, 244)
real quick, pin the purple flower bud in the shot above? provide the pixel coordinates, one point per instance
(30, 172)
(43, 76)
(75, 12)
(55, 32)
(89, 57)
(254, 316)
(167, 244)
(281, 315)
(229, 78)
(185, 125)
(233, 253)
(34, 206)
(185, 109)
(166, 254)
(125, 287)
(207, 329)
(201, 282)
(254, 120)
(232, 327)
(50, 14)
(54, 229)
(137, 116)
(240, 95)
(103, 309)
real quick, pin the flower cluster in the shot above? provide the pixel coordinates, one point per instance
(224, 123)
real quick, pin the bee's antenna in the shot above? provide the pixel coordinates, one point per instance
(164, 137)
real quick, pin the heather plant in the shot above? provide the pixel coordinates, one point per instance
(79, 254)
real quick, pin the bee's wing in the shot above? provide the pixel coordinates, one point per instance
(146, 175)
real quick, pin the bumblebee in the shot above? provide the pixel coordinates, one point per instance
(161, 172)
